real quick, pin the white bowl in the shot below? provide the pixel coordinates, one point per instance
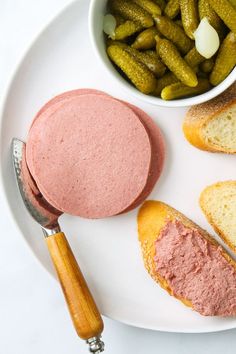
(96, 12)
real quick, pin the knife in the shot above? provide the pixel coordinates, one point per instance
(83, 310)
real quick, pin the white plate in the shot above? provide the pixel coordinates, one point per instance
(61, 59)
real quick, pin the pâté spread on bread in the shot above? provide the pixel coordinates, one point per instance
(196, 270)
(186, 261)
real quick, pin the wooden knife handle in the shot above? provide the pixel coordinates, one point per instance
(83, 310)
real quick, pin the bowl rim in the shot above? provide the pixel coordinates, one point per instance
(184, 102)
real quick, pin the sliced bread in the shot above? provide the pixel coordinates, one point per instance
(211, 126)
(218, 203)
(186, 261)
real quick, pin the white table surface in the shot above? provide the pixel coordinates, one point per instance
(33, 315)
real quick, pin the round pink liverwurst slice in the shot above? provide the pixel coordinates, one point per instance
(151, 128)
(90, 157)
(158, 154)
(67, 95)
(155, 136)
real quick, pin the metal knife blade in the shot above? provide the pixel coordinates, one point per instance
(42, 212)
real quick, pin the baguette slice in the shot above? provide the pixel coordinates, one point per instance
(218, 202)
(211, 126)
(152, 218)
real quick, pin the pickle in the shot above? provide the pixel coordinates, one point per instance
(202, 75)
(179, 23)
(205, 10)
(152, 53)
(179, 90)
(149, 6)
(233, 2)
(110, 41)
(157, 39)
(193, 58)
(150, 60)
(132, 11)
(173, 60)
(225, 60)
(172, 8)
(119, 20)
(174, 33)
(226, 12)
(161, 4)
(189, 15)
(207, 65)
(126, 29)
(195, 68)
(145, 39)
(137, 72)
(164, 81)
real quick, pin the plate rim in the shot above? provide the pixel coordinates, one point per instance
(3, 104)
(6, 202)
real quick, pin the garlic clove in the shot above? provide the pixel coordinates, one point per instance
(206, 39)
(109, 25)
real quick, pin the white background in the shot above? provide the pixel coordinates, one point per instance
(33, 316)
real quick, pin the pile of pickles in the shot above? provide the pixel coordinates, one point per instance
(152, 44)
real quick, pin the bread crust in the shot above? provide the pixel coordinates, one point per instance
(152, 218)
(200, 115)
(204, 208)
